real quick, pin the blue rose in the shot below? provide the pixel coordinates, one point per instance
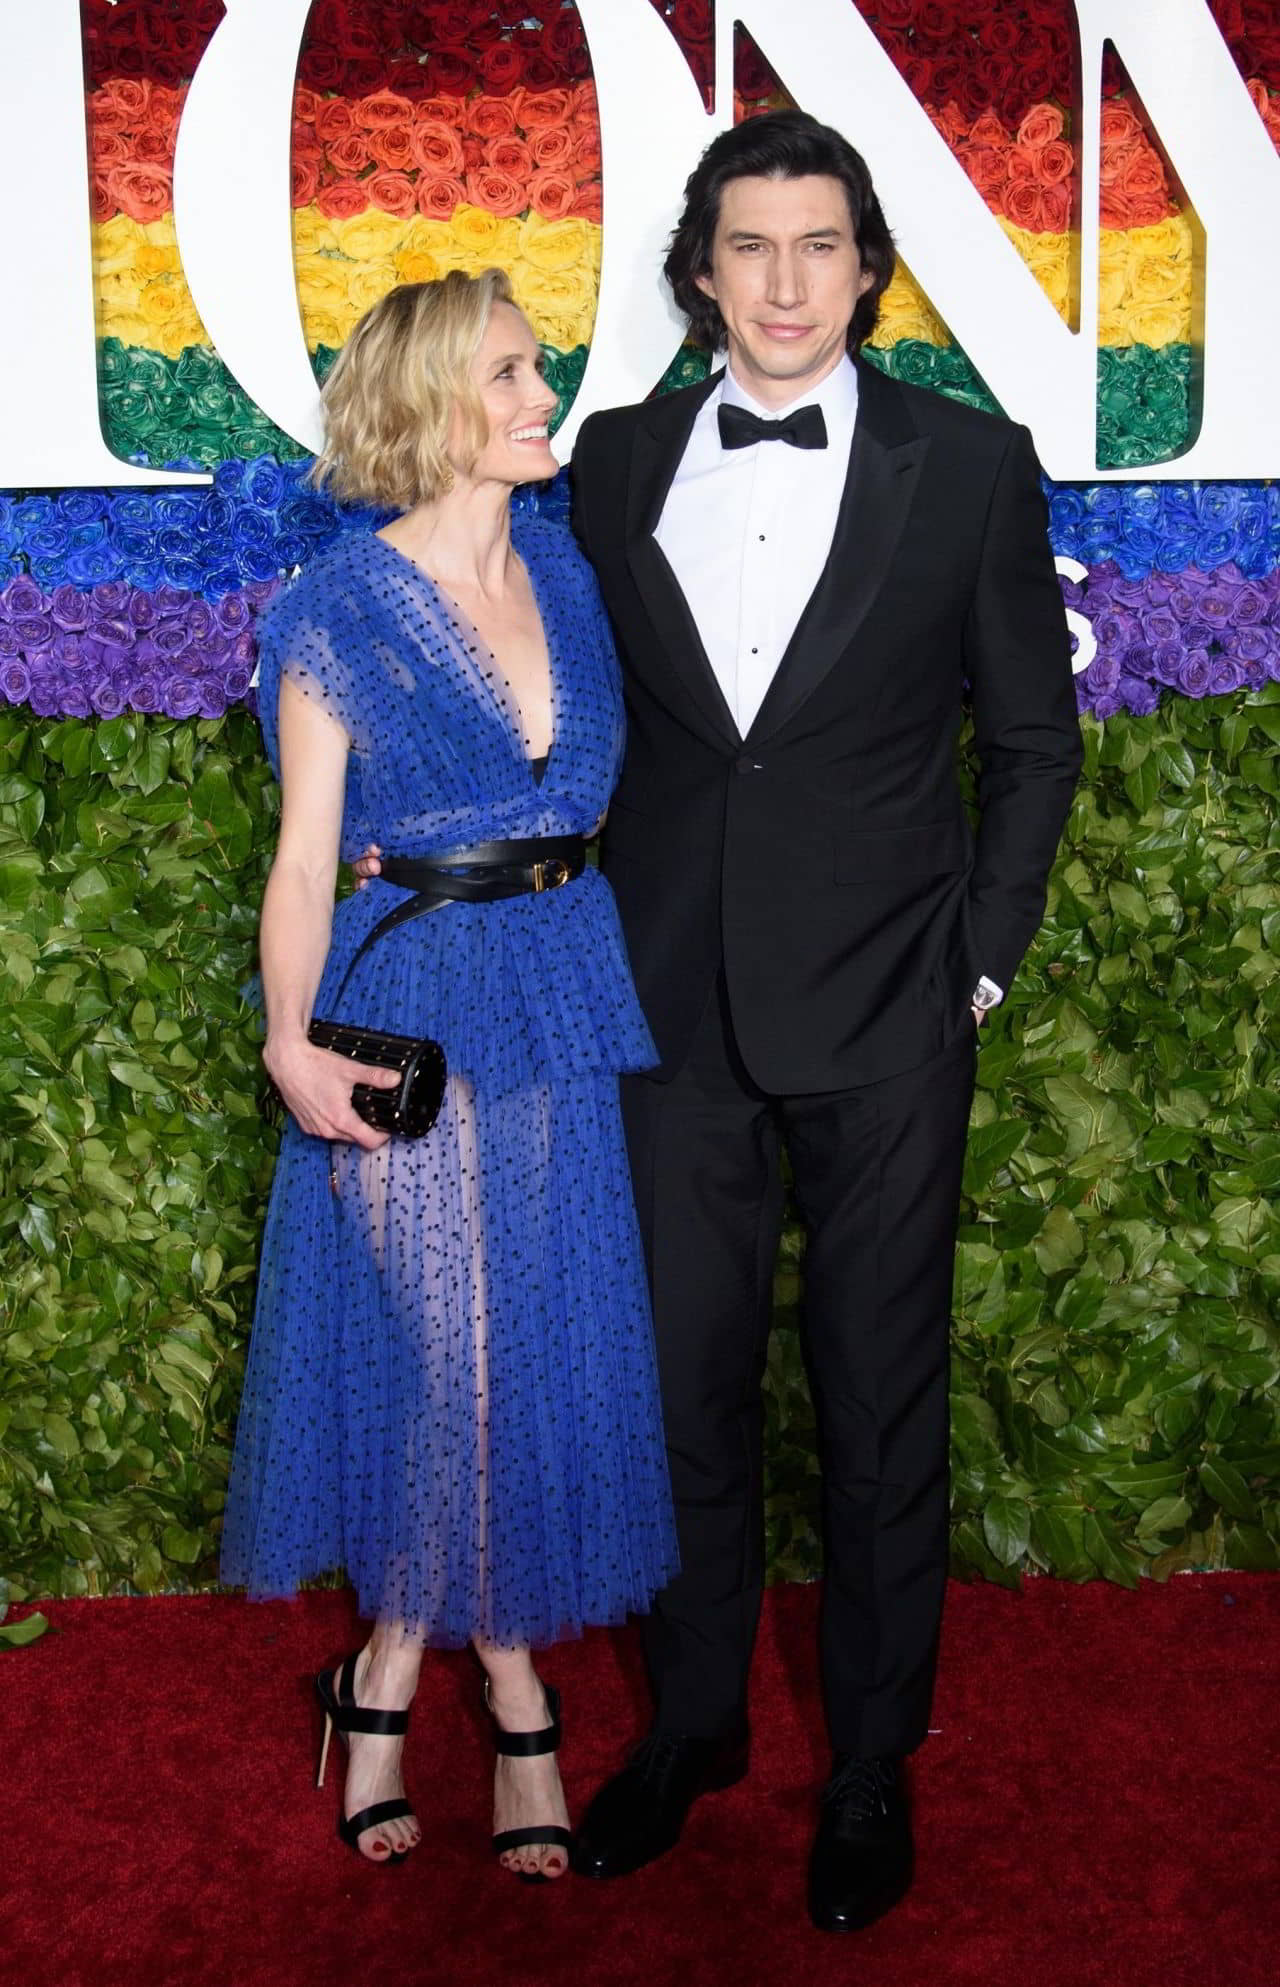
(264, 483)
(91, 564)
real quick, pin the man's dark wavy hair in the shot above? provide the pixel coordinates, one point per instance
(783, 144)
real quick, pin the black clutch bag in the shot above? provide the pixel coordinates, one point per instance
(410, 1110)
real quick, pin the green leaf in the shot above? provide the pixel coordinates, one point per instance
(18, 1634)
(1006, 1526)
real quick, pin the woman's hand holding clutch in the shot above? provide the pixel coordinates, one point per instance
(316, 1086)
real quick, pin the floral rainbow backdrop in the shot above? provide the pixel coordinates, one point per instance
(444, 134)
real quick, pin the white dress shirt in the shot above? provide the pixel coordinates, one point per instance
(747, 532)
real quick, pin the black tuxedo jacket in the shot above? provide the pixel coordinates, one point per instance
(826, 857)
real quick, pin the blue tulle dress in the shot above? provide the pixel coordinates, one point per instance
(451, 1388)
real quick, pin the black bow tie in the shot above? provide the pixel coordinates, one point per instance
(739, 427)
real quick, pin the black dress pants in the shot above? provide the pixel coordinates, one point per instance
(877, 1175)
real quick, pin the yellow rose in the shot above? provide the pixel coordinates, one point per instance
(367, 236)
(370, 282)
(556, 245)
(473, 228)
(1160, 323)
(159, 301)
(1113, 270)
(323, 281)
(1159, 279)
(128, 327)
(1170, 237)
(415, 265)
(424, 237)
(115, 243)
(905, 313)
(322, 327)
(559, 304)
(153, 259)
(312, 231)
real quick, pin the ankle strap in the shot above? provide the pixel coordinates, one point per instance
(351, 1717)
(528, 1745)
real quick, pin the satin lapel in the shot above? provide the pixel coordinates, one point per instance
(660, 441)
(884, 464)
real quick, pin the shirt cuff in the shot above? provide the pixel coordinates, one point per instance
(986, 994)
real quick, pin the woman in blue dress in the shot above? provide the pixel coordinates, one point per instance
(451, 1390)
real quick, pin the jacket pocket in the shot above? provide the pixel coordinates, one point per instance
(882, 855)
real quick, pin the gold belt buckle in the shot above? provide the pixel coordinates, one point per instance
(550, 875)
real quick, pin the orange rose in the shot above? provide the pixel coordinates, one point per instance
(394, 192)
(305, 144)
(1119, 125)
(588, 202)
(536, 109)
(552, 193)
(474, 152)
(497, 192)
(586, 152)
(1142, 176)
(142, 192)
(104, 113)
(1056, 162)
(305, 104)
(350, 155)
(988, 130)
(509, 155)
(439, 195)
(1042, 124)
(987, 168)
(109, 148)
(101, 205)
(333, 120)
(552, 147)
(1023, 204)
(342, 199)
(1117, 209)
(129, 97)
(304, 181)
(392, 146)
(1020, 163)
(441, 110)
(583, 103)
(1055, 206)
(383, 107)
(490, 117)
(437, 147)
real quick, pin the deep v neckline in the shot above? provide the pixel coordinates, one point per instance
(511, 712)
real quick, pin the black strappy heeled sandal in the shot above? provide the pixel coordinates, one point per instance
(529, 1745)
(336, 1691)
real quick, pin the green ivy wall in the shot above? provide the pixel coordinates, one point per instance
(1118, 1276)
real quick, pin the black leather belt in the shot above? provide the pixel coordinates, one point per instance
(480, 874)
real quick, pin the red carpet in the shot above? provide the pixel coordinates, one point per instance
(1099, 1805)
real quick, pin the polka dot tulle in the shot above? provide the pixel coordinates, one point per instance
(451, 1390)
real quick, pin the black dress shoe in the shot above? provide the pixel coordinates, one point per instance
(640, 1812)
(863, 1857)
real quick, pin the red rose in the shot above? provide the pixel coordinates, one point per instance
(143, 192)
(692, 21)
(514, 13)
(382, 108)
(304, 181)
(897, 14)
(392, 147)
(540, 72)
(437, 147)
(1001, 31)
(490, 117)
(449, 24)
(501, 68)
(350, 155)
(320, 67)
(1043, 79)
(394, 192)
(343, 199)
(452, 71)
(588, 202)
(552, 194)
(362, 75)
(562, 38)
(334, 119)
(439, 195)
(933, 21)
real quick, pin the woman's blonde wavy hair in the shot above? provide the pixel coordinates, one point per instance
(395, 386)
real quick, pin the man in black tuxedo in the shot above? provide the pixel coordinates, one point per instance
(811, 569)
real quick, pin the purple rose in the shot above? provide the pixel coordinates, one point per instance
(232, 613)
(142, 610)
(1159, 588)
(1252, 675)
(69, 608)
(68, 651)
(146, 694)
(1160, 626)
(1138, 697)
(1184, 600)
(1166, 661)
(9, 643)
(200, 620)
(1194, 673)
(15, 681)
(1250, 605)
(1128, 593)
(45, 696)
(74, 701)
(171, 599)
(1103, 674)
(22, 597)
(107, 697)
(213, 698)
(1108, 706)
(111, 596)
(1216, 606)
(34, 631)
(1249, 644)
(1224, 674)
(182, 697)
(259, 592)
(235, 683)
(171, 637)
(113, 630)
(245, 649)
